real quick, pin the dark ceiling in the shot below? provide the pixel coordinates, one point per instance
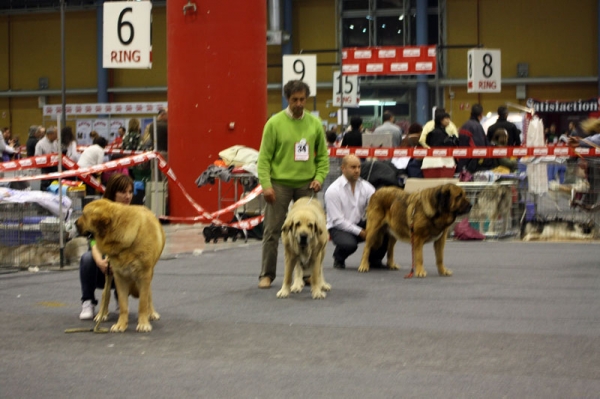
(27, 6)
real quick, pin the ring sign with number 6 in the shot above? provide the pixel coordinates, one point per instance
(127, 35)
(301, 67)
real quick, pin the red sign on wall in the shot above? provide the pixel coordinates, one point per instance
(413, 60)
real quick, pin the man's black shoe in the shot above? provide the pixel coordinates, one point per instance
(338, 265)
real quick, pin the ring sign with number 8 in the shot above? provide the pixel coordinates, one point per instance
(483, 71)
(301, 67)
(127, 39)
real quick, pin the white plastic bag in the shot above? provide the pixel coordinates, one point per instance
(239, 155)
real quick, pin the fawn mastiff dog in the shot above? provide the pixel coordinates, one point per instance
(133, 239)
(304, 235)
(418, 218)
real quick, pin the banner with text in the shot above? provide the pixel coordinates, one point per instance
(413, 60)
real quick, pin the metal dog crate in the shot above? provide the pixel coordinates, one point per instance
(567, 203)
(28, 235)
(482, 223)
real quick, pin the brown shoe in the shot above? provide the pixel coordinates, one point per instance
(264, 282)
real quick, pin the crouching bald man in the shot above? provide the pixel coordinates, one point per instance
(346, 204)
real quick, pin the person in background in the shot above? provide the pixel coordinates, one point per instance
(46, 146)
(551, 134)
(346, 202)
(353, 138)
(91, 156)
(413, 136)
(335, 163)
(292, 163)
(94, 154)
(147, 142)
(7, 145)
(389, 126)
(473, 131)
(131, 140)
(118, 141)
(439, 137)
(429, 126)
(473, 125)
(514, 134)
(413, 167)
(68, 143)
(93, 266)
(35, 134)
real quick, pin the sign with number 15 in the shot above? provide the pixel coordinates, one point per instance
(127, 34)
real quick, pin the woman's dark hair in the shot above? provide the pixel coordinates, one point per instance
(440, 116)
(331, 136)
(101, 141)
(66, 135)
(117, 183)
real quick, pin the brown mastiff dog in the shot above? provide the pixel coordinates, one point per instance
(133, 239)
(418, 218)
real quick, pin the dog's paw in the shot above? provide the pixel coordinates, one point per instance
(446, 272)
(283, 293)
(363, 268)
(101, 317)
(143, 327)
(118, 327)
(326, 287)
(297, 287)
(154, 316)
(318, 294)
(420, 273)
(394, 266)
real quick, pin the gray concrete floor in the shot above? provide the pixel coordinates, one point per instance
(517, 320)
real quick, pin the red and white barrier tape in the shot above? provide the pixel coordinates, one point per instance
(87, 174)
(464, 152)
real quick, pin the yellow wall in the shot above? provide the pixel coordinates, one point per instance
(546, 34)
(30, 48)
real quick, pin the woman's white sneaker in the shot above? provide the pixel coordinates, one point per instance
(87, 310)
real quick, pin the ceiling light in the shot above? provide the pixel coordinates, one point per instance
(376, 102)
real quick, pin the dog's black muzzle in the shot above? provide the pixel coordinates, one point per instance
(303, 242)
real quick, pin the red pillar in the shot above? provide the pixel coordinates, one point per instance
(217, 74)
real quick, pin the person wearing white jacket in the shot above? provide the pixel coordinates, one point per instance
(94, 154)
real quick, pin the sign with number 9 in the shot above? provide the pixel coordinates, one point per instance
(301, 67)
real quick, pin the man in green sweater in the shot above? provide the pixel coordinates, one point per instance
(292, 163)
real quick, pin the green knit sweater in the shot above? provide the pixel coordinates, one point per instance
(276, 156)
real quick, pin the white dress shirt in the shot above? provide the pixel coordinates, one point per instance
(344, 208)
(45, 147)
(93, 155)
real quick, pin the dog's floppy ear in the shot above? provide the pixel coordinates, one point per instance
(317, 229)
(102, 223)
(287, 226)
(443, 197)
